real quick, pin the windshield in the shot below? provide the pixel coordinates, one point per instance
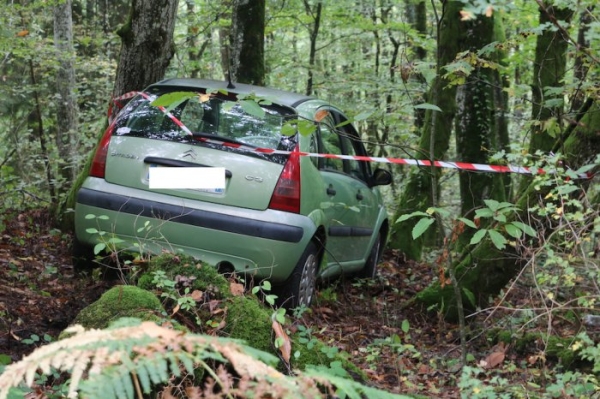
(202, 115)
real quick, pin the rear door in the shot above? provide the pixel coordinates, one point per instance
(200, 131)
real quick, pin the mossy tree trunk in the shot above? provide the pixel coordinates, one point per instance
(247, 63)
(146, 44)
(484, 270)
(480, 128)
(435, 136)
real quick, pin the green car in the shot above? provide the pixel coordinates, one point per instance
(294, 202)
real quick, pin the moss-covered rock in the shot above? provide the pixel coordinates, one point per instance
(120, 301)
(187, 272)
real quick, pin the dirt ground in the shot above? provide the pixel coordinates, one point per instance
(401, 348)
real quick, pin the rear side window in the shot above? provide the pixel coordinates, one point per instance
(203, 115)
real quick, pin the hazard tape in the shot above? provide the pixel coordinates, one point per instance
(398, 161)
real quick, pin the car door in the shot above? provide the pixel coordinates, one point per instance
(350, 203)
(359, 173)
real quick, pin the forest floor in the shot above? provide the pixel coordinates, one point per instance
(401, 348)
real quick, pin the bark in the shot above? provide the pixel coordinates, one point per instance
(66, 108)
(146, 49)
(480, 123)
(485, 270)
(247, 42)
(435, 137)
(416, 13)
(548, 72)
(146, 44)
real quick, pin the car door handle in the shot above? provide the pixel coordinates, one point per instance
(330, 190)
(359, 196)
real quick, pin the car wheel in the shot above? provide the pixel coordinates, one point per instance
(82, 256)
(370, 269)
(300, 287)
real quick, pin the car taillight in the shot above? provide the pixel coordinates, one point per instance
(286, 196)
(99, 161)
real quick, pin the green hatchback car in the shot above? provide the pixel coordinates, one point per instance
(297, 203)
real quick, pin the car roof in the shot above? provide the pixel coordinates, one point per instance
(284, 98)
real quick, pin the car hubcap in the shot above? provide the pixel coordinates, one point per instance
(307, 280)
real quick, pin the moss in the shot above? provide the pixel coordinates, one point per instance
(120, 301)
(556, 348)
(203, 277)
(249, 321)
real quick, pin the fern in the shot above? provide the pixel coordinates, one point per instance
(128, 362)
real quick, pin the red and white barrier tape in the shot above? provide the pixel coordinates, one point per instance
(398, 161)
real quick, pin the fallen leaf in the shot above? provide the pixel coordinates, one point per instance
(286, 345)
(175, 310)
(236, 289)
(197, 295)
(494, 359)
(23, 33)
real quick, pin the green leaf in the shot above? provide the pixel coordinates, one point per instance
(484, 213)
(411, 215)
(90, 216)
(251, 107)
(513, 230)
(266, 285)
(470, 296)
(498, 239)
(5, 359)
(421, 226)
(478, 236)
(468, 222)
(306, 127)
(428, 106)
(172, 100)
(527, 229)
(363, 115)
(492, 204)
(405, 326)
(288, 129)
(99, 248)
(91, 230)
(103, 217)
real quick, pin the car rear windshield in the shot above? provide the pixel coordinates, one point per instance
(200, 116)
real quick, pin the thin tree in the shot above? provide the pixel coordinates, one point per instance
(66, 108)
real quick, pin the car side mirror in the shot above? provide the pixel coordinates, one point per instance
(381, 177)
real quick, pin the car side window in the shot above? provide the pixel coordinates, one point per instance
(339, 137)
(355, 168)
(331, 144)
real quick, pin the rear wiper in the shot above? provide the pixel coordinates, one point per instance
(212, 136)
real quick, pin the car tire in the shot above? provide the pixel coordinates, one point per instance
(82, 256)
(370, 268)
(300, 288)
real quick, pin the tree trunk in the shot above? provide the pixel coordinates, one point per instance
(479, 129)
(548, 72)
(315, 13)
(146, 44)
(247, 42)
(435, 137)
(144, 58)
(485, 270)
(66, 108)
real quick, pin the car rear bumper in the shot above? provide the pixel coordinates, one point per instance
(263, 243)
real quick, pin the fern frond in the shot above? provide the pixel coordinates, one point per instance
(125, 362)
